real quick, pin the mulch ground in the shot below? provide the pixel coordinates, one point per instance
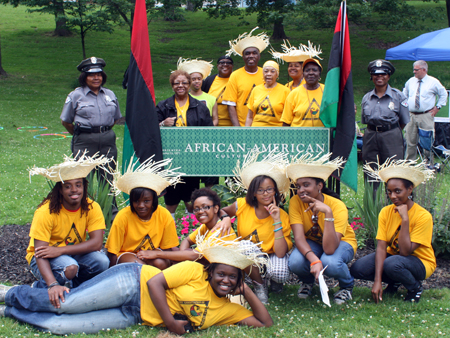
(14, 268)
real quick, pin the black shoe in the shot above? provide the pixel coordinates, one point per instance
(276, 287)
(391, 289)
(414, 295)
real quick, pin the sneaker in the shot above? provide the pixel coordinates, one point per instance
(261, 292)
(414, 295)
(276, 287)
(304, 290)
(2, 310)
(391, 289)
(3, 290)
(343, 295)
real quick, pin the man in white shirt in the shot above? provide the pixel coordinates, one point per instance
(422, 92)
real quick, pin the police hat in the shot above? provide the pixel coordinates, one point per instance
(381, 67)
(91, 65)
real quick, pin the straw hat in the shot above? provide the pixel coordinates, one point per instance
(309, 165)
(195, 66)
(405, 169)
(272, 165)
(293, 54)
(71, 168)
(246, 40)
(237, 253)
(149, 174)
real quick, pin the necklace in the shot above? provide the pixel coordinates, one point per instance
(269, 89)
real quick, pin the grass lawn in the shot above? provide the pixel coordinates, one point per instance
(42, 71)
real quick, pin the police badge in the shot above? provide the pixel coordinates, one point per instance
(391, 105)
(379, 63)
(94, 60)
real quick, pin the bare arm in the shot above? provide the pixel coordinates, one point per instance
(261, 317)
(406, 247)
(304, 248)
(233, 116)
(286, 125)
(112, 259)
(68, 126)
(380, 257)
(249, 120)
(178, 256)
(186, 244)
(215, 115)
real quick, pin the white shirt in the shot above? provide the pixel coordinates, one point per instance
(429, 90)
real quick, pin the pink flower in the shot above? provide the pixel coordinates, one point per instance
(185, 231)
(233, 219)
(185, 223)
(195, 223)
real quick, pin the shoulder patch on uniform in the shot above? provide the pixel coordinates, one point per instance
(404, 103)
(107, 98)
(68, 99)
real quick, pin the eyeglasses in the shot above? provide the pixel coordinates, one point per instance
(416, 70)
(181, 83)
(224, 63)
(262, 191)
(204, 208)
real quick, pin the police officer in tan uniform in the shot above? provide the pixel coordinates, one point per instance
(385, 111)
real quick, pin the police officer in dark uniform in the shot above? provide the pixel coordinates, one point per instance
(90, 112)
(385, 111)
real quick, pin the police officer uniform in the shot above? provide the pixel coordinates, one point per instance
(385, 117)
(93, 115)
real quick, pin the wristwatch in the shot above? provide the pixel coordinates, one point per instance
(438, 107)
(223, 216)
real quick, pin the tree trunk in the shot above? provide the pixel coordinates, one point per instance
(83, 33)
(2, 71)
(60, 18)
(278, 30)
(448, 11)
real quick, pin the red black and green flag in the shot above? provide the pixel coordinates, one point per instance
(142, 135)
(337, 109)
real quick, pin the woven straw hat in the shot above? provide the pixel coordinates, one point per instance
(412, 171)
(149, 174)
(309, 165)
(237, 253)
(195, 66)
(293, 54)
(71, 169)
(246, 40)
(272, 165)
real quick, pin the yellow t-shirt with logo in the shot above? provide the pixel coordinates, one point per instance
(258, 230)
(190, 294)
(239, 88)
(130, 234)
(267, 105)
(66, 228)
(420, 231)
(290, 85)
(302, 107)
(217, 89)
(181, 113)
(202, 230)
(298, 215)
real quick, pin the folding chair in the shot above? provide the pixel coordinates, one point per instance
(426, 140)
(445, 158)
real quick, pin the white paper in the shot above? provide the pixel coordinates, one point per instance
(324, 288)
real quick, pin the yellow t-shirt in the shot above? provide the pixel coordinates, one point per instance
(66, 228)
(302, 107)
(267, 105)
(129, 234)
(217, 89)
(289, 84)
(298, 215)
(239, 89)
(420, 231)
(261, 230)
(203, 228)
(190, 294)
(181, 113)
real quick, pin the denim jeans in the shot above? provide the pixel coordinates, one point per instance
(337, 263)
(89, 265)
(407, 270)
(109, 300)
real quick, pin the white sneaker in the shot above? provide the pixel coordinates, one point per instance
(261, 292)
(3, 290)
(2, 310)
(342, 296)
(305, 290)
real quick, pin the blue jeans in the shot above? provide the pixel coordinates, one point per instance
(89, 265)
(337, 263)
(109, 300)
(407, 270)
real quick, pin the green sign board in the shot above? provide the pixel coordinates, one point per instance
(214, 151)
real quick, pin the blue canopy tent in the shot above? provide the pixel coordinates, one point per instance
(433, 46)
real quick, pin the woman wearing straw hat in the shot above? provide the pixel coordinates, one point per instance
(302, 106)
(261, 220)
(319, 220)
(295, 58)
(59, 253)
(266, 102)
(182, 110)
(404, 253)
(128, 294)
(143, 226)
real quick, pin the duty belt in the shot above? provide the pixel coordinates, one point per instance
(382, 128)
(95, 130)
